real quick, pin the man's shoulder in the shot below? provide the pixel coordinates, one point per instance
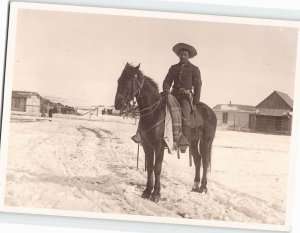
(192, 65)
(175, 65)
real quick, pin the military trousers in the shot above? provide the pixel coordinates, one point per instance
(186, 111)
(186, 116)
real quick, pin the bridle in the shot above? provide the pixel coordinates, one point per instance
(136, 94)
(136, 90)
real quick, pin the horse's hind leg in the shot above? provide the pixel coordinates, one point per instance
(149, 156)
(159, 155)
(205, 150)
(197, 162)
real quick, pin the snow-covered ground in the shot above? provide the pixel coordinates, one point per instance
(70, 163)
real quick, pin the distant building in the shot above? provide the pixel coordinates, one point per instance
(25, 101)
(68, 110)
(34, 103)
(274, 114)
(233, 116)
(57, 107)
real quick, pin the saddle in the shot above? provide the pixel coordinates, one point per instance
(196, 118)
(173, 135)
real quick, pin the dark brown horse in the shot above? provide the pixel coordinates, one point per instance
(152, 105)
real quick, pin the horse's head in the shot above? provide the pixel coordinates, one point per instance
(128, 86)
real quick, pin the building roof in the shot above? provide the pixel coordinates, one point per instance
(25, 94)
(234, 108)
(286, 98)
(289, 102)
(273, 112)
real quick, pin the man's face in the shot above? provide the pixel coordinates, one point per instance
(184, 55)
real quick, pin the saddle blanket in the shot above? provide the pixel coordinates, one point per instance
(172, 123)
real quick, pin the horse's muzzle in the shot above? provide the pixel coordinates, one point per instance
(119, 101)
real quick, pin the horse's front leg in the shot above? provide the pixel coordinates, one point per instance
(159, 155)
(149, 156)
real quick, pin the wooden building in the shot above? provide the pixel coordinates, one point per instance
(233, 116)
(25, 101)
(274, 114)
(33, 103)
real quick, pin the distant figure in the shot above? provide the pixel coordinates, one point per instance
(50, 112)
(103, 111)
(109, 111)
(43, 109)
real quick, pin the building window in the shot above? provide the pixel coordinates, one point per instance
(17, 103)
(225, 117)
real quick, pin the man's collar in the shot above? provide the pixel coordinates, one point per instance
(185, 62)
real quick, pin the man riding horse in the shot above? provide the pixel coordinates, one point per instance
(186, 80)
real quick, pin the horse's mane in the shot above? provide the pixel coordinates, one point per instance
(151, 82)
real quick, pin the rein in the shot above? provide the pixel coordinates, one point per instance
(154, 106)
(148, 110)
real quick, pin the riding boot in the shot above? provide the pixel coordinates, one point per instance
(184, 141)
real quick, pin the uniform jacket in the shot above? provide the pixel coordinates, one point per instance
(184, 75)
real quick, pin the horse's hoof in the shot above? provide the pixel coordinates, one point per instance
(146, 194)
(196, 189)
(155, 198)
(203, 189)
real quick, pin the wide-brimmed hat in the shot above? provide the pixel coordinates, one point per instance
(191, 49)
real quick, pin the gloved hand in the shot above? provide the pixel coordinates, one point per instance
(195, 102)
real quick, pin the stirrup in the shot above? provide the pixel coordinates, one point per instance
(136, 138)
(183, 148)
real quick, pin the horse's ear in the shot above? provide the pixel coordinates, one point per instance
(138, 67)
(127, 65)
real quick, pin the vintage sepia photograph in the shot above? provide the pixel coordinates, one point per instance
(149, 116)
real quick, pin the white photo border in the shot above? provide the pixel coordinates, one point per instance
(15, 6)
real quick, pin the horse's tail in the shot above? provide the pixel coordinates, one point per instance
(209, 159)
(206, 152)
(213, 136)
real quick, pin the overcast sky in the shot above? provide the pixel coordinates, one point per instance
(80, 55)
